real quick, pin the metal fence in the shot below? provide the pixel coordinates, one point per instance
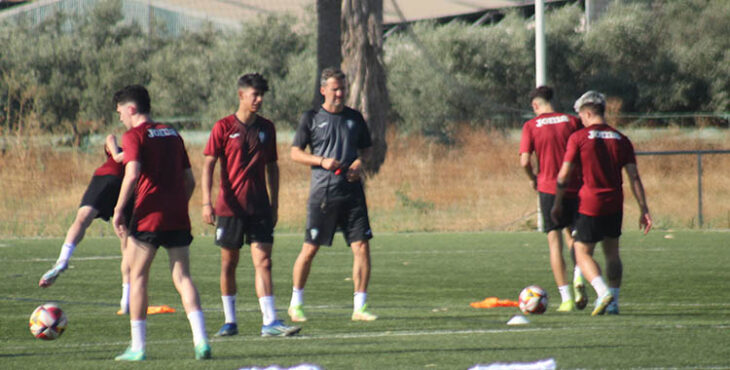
(699, 154)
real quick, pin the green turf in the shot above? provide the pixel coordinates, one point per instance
(675, 306)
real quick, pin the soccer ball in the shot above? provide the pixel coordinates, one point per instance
(533, 300)
(47, 322)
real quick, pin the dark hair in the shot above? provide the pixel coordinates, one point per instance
(331, 72)
(542, 92)
(254, 80)
(136, 94)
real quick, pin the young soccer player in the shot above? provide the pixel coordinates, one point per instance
(157, 172)
(245, 144)
(602, 152)
(547, 135)
(97, 202)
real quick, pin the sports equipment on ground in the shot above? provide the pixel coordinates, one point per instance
(363, 315)
(579, 292)
(278, 329)
(47, 321)
(296, 314)
(227, 329)
(601, 303)
(533, 300)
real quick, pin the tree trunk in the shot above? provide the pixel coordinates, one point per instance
(362, 50)
(328, 41)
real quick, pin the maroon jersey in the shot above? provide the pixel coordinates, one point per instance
(243, 151)
(602, 152)
(110, 167)
(161, 202)
(547, 134)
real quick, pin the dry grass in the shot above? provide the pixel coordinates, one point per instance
(474, 185)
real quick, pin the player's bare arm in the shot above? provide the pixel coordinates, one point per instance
(526, 163)
(355, 171)
(131, 175)
(272, 180)
(300, 156)
(206, 182)
(113, 148)
(645, 221)
(563, 177)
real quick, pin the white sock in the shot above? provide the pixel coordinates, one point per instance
(297, 297)
(599, 285)
(577, 273)
(66, 251)
(197, 324)
(565, 293)
(358, 300)
(229, 308)
(139, 334)
(124, 302)
(614, 292)
(268, 309)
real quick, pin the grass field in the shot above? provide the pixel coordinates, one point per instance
(675, 306)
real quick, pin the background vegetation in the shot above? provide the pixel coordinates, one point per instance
(661, 57)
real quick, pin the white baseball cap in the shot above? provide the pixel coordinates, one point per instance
(590, 97)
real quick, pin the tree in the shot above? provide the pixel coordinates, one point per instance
(328, 41)
(362, 50)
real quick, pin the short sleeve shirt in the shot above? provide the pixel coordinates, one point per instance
(332, 135)
(602, 152)
(547, 135)
(110, 167)
(161, 203)
(243, 151)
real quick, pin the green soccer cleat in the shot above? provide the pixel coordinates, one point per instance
(278, 329)
(612, 308)
(579, 292)
(566, 306)
(50, 276)
(130, 355)
(296, 314)
(202, 351)
(363, 315)
(601, 303)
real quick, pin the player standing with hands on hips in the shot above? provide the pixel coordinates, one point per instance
(245, 144)
(601, 152)
(157, 171)
(338, 138)
(547, 135)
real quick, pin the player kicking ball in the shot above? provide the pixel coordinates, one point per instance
(97, 202)
(602, 153)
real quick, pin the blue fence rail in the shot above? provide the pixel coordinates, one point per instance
(699, 154)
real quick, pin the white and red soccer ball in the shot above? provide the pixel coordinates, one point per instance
(533, 300)
(47, 322)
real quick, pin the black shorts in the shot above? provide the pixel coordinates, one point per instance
(232, 232)
(567, 219)
(349, 214)
(167, 239)
(593, 229)
(102, 194)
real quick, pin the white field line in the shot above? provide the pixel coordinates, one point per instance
(365, 335)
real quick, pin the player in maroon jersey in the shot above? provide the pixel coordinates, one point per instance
(547, 135)
(97, 202)
(602, 152)
(245, 144)
(157, 172)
